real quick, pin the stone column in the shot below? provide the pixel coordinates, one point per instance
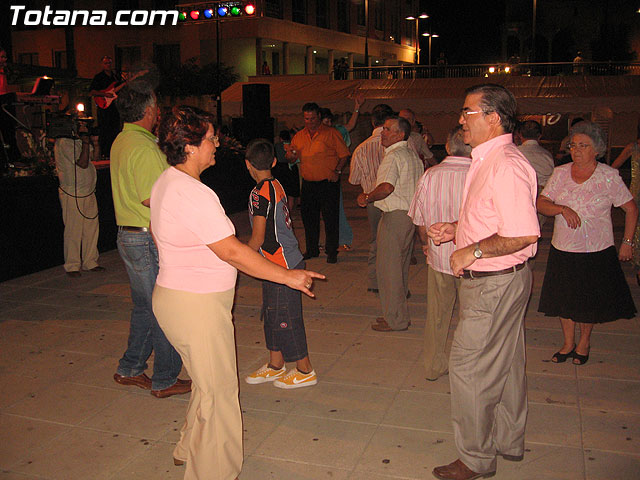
(309, 63)
(350, 61)
(285, 58)
(330, 60)
(258, 56)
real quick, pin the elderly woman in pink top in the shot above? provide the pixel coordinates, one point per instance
(584, 282)
(192, 300)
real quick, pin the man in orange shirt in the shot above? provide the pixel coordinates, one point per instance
(322, 154)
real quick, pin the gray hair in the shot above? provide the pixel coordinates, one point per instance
(594, 132)
(455, 143)
(496, 98)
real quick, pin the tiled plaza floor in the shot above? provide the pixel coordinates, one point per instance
(372, 416)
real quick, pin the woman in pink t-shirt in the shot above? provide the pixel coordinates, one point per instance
(584, 282)
(192, 300)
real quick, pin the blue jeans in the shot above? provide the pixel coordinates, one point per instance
(140, 257)
(345, 234)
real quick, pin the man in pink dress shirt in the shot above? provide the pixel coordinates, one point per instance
(495, 235)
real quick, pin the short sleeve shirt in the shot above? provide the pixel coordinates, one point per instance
(319, 154)
(186, 216)
(592, 201)
(136, 164)
(73, 179)
(499, 198)
(401, 168)
(280, 246)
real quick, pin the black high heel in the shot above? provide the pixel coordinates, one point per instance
(562, 357)
(579, 359)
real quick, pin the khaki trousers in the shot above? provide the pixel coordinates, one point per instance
(442, 290)
(80, 233)
(487, 369)
(395, 237)
(373, 214)
(199, 327)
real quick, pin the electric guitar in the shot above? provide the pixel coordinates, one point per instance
(105, 102)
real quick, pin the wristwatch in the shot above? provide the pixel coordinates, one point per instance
(477, 252)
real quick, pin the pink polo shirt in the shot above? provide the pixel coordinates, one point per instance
(186, 216)
(499, 197)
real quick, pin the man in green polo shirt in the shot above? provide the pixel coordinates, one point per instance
(136, 163)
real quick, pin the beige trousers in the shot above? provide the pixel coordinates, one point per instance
(80, 233)
(394, 241)
(442, 290)
(487, 369)
(199, 327)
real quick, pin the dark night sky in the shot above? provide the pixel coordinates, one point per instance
(470, 30)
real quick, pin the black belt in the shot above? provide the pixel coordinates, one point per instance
(478, 274)
(133, 229)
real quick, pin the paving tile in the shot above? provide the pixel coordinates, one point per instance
(319, 441)
(602, 394)
(147, 417)
(257, 425)
(54, 364)
(275, 469)
(406, 453)
(539, 361)
(96, 455)
(555, 425)
(35, 312)
(15, 388)
(420, 410)
(94, 341)
(267, 397)
(330, 342)
(331, 322)
(610, 465)
(552, 390)
(346, 402)
(7, 475)
(544, 462)
(155, 462)
(359, 371)
(383, 347)
(611, 365)
(65, 403)
(24, 435)
(613, 431)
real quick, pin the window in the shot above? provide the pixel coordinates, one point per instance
(378, 5)
(60, 59)
(322, 13)
(299, 11)
(166, 57)
(395, 27)
(360, 13)
(344, 22)
(273, 8)
(409, 31)
(28, 59)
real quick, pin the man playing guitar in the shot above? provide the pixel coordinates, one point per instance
(108, 118)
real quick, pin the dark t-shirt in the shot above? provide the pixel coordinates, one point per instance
(102, 80)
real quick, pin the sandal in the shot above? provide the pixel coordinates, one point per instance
(579, 359)
(562, 357)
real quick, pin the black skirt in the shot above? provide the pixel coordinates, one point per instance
(585, 287)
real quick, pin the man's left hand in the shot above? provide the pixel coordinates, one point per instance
(626, 252)
(362, 200)
(461, 259)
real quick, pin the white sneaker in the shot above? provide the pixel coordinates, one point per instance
(296, 379)
(265, 374)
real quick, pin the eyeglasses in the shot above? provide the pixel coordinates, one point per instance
(578, 146)
(465, 112)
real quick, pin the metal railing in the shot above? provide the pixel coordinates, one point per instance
(390, 72)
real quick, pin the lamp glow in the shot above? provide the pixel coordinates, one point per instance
(195, 14)
(249, 9)
(208, 13)
(223, 11)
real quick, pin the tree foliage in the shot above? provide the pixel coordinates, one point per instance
(192, 79)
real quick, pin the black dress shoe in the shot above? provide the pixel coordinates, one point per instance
(332, 258)
(308, 255)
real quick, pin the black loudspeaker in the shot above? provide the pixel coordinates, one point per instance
(256, 100)
(246, 129)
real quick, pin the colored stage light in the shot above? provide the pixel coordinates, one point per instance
(182, 16)
(223, 11)
(249, 9)
(235, 11)
(194, 14)
(208, 13)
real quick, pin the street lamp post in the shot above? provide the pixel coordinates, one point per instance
(430, 35)
(416, 19)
